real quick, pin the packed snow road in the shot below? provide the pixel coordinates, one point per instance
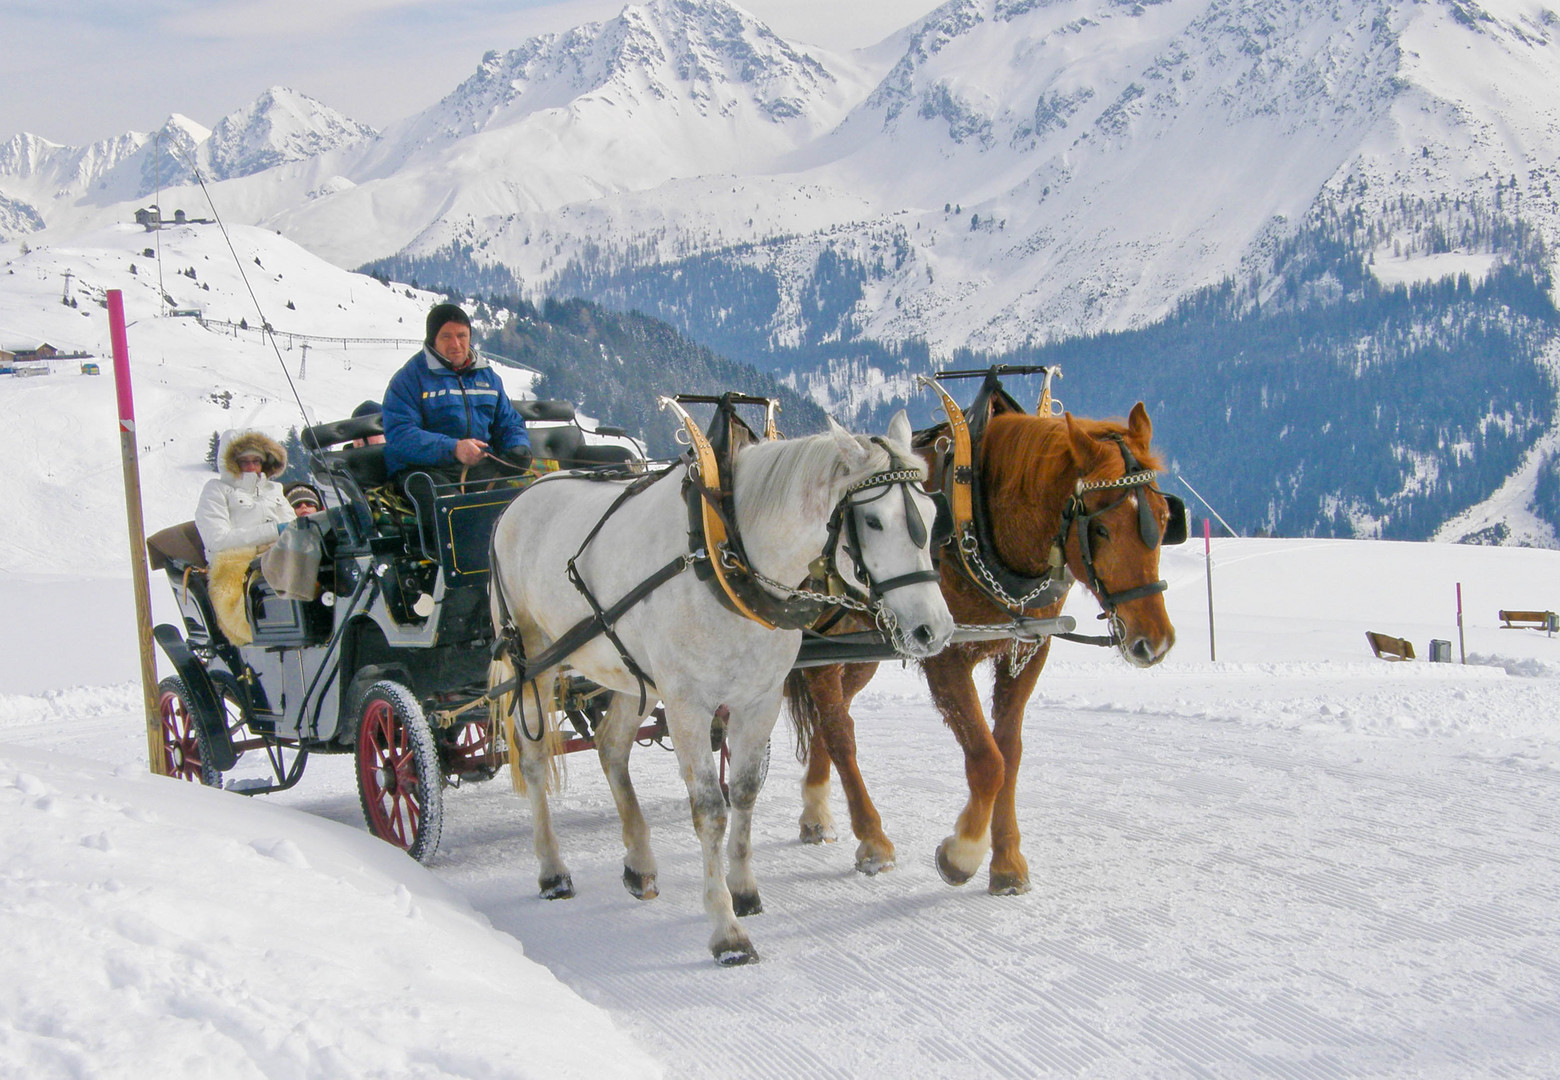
(1212, 896)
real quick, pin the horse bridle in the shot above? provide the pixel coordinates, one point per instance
(845, 535)
(1076, 513)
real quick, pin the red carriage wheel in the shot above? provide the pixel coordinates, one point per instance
(398, 772)
(186, 747)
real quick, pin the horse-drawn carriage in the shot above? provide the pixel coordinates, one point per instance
(380, 660)
(425, 603)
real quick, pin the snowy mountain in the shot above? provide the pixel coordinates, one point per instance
(76, 184)
(281, 126)
(1000, 175)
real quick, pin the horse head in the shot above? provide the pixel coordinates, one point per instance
(1114, 525)
(884, 529)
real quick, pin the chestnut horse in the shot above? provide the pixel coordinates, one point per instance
(1046, 482)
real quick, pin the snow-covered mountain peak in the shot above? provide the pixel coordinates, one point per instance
(708, 55)
(280, 126)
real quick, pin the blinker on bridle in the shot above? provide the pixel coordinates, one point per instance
(847, 510)
(1136, 479)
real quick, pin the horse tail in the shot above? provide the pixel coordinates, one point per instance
(802, 708)
(505, 709)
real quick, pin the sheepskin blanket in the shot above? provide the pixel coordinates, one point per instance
(228, 582)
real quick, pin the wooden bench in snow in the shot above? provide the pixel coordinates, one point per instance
(1389, 648)
(1529, 620)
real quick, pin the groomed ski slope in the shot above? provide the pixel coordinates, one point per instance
(1295, 862)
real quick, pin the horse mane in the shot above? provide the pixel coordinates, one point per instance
(1022, 455)
(774, 478)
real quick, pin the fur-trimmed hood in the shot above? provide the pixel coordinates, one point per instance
(234, 443)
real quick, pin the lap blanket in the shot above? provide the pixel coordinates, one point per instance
(227, 583)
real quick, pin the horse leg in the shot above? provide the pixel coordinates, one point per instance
(952, 682)
(536, 767)
(1009, 696)
(746, 740)
(614, 742)
(729, 943)
(874, 851)
(817, 820)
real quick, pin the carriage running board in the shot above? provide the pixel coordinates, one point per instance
(871, 646)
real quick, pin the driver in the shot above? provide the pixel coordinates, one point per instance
(446, 412)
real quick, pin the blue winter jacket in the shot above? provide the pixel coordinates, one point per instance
(428, 408)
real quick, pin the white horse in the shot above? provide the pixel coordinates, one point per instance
(703, 657)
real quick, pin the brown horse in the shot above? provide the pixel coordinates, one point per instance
(1047, 482)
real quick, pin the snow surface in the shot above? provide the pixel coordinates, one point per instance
(1297, 862)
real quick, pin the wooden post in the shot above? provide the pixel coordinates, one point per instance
(1462, 650)
(138, 569)
(1213, 654)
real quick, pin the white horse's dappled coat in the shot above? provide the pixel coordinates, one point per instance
(701, 655)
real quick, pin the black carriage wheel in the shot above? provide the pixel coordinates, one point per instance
(399, 778)
(186, 746)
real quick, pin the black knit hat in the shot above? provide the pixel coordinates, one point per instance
(441, 314)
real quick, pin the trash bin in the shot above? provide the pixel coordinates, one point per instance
(1440, 651)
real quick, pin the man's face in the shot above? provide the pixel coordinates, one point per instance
(454, 343)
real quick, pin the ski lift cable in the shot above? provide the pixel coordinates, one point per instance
(265, 323)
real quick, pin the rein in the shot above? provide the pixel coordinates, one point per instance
(601, 621)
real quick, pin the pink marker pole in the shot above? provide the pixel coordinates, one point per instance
(138, 569)
(1213, 653)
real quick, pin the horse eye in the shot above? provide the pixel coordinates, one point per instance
(1099, 532)
(874, 524)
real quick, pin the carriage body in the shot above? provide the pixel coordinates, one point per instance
(386, 662)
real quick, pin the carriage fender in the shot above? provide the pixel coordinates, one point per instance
(203, 696)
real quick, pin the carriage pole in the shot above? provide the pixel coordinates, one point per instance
(138, 569)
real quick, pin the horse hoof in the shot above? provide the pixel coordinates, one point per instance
(1008, 885)
(745, 904)
(735, 954)
(815, 833)
(557, 888)
(945, 868)
(640, 886)
(872, 865)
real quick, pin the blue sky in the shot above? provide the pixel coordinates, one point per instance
(83, 70)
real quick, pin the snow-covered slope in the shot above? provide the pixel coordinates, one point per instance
(60, 437)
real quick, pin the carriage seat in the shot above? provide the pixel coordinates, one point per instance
(366, 464)
(175, 548)
(565, 444)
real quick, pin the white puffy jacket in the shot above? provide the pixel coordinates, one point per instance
(243, 509)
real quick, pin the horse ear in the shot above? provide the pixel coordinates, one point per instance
(1140, 429)
(850, 447)
(1085, 451)
(899, 429)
